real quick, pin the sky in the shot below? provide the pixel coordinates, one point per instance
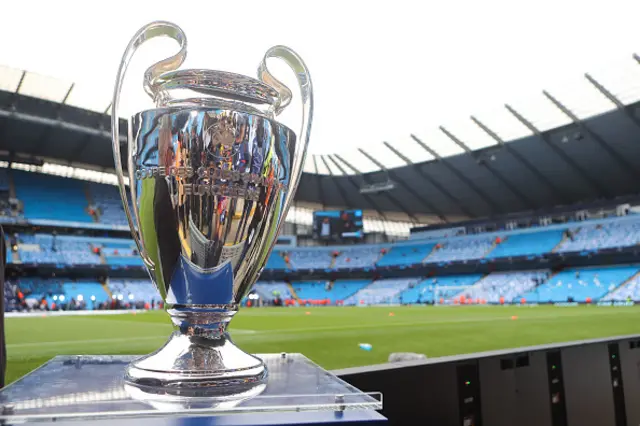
(381, 71)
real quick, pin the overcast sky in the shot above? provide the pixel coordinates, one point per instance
(381, 70)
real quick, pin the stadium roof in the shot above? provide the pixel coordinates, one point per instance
(384, 111)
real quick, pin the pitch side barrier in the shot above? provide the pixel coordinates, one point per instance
(582, 383)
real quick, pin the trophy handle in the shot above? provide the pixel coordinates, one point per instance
(154, 29)
(301, 71)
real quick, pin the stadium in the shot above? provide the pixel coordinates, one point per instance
(508, 242)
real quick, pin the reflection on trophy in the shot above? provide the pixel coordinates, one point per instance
(211, 177)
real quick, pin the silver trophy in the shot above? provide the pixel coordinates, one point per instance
(211, 177)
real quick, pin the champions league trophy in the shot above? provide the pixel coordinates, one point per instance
(211, 177)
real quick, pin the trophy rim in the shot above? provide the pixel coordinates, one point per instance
(238, 86)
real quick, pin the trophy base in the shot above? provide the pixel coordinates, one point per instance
(198, 366)
(89, 390)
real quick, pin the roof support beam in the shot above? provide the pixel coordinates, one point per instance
(410, 190)
(19, 86)
(594, 136)
(66, 97)
(355, 185)
(492, 205)
(326, 164)
(429, 179)
(560, 153)
(557, 192)
(481, 162)
(612, 98)
(340, 190)
(398, 153)
(318, 182)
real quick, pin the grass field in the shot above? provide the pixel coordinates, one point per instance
(329, 336)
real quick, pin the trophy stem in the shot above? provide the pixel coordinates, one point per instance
(200, 356)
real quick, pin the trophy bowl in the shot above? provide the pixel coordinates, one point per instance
(211, 177)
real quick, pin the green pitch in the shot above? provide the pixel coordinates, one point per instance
(329, 336)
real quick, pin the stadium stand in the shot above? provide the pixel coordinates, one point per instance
(276, 261)
(626, 292)
(380, 292)
(310, 259)
(615, 233)
(338, 291)
(406, 254)
(51, 197)
(91, 292)
(527, 244)
(270, 290)
(505, 286)
(359, 257)
(62, 250)
(106, 199)
(467, 248)
(71, 200)
(10, 297)
(580, 285)
(131, 290)
(431, 290)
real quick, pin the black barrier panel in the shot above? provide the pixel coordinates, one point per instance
(569, 384)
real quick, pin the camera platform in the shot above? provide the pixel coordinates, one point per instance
(90, 390)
